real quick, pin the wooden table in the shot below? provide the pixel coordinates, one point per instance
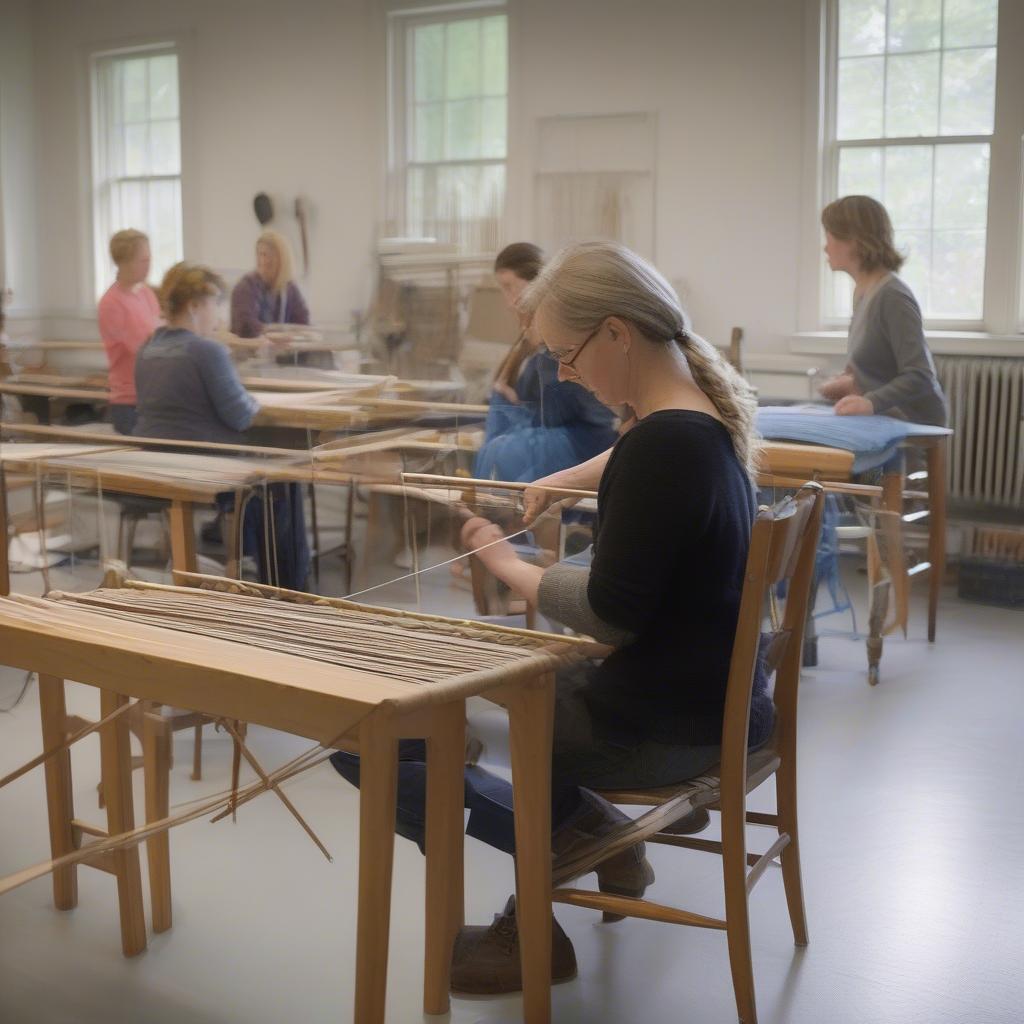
(181, 480)
(785, 464)
(332, 705)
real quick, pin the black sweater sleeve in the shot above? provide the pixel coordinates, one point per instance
(654, 506)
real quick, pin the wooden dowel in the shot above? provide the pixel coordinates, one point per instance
(505, 485)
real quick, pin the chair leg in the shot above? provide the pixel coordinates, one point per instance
(737, 911)
(785, 795)
(120, 538)
(197, 754)
(129, 540)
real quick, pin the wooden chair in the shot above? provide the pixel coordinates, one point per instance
(782, 548)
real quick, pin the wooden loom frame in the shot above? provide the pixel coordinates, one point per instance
(324, 703)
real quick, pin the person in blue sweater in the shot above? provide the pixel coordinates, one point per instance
(189, 390)
(537, 424)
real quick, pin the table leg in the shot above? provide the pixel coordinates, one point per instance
(446, 755)
(531, 721)
(59, 803)
(892, 529)
(156, 746)
(378, 750)
(936, 528)
(183, 536)
(5, 572)
(116, 762)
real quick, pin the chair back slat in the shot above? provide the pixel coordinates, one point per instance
(782, 548)
(788, 530)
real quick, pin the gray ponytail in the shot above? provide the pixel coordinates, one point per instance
(591, 281)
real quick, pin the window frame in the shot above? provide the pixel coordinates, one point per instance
(831, 146)
(401, 24)
(99, 176)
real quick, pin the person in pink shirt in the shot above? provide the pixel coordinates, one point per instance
(128, 314)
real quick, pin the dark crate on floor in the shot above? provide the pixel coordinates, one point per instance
(997, 581)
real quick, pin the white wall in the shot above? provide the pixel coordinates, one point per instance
(18, 269)
(286, 100)
(291, 100)
(725, 79)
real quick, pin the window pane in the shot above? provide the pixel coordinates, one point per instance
(968, 92)
(163, 225)
(971, 22)
(127, 206)
(958, 275)
(912, 95)
(135, 98)
(136, 149)
(860, 171)
(494, 127)
(462, 204)
(428, 62)
(463, 130)
(164, 148)
(463, 56)
(915, 24)
(841, 288)
(961, 186)
(429, 132)
(908, 186)
(915, 247)
(163, 86)
(859, 113)
(495, 56)
(861, 27)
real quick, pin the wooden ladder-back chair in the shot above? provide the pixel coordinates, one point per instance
(782, 548)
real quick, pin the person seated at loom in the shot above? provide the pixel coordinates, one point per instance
(189, 390)
(127, 314)
(675, 512)
(537, 424)
(890, 369)
(269, 295)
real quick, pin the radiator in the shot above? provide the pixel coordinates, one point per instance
(986, 406)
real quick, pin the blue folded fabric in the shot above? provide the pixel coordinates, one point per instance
(872, 439)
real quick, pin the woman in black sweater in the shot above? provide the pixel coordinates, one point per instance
(675, 508)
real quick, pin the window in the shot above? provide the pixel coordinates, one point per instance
(911, 123)
(450, 133)
(136, 155)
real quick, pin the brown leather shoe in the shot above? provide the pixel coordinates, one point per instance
(627, 873)
(485, 961)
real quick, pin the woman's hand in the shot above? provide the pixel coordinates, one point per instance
(854, 405)
(838, 387)
(487, 541)
(506, 392)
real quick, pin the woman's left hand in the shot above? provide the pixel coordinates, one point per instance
(854, 405)
(477, 533)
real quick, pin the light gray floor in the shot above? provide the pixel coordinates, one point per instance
(913, 843)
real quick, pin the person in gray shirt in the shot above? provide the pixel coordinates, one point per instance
(188, 390)
(187, 386)
(890, 369)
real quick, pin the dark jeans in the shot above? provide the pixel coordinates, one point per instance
(586, 753)
(123, 417)
(281, 519)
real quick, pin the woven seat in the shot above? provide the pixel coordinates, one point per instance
(782, 548)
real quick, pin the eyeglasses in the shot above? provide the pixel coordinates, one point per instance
(568, 363)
